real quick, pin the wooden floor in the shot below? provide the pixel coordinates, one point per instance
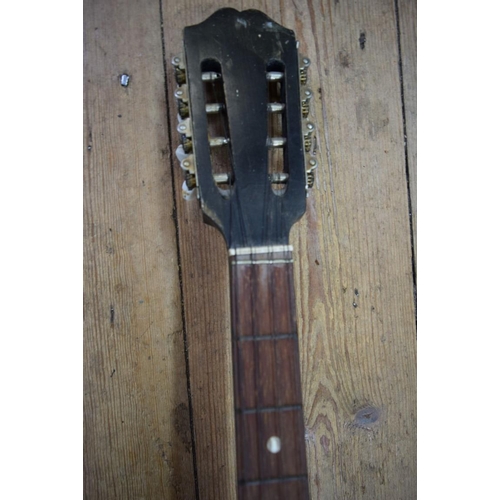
(157, 372)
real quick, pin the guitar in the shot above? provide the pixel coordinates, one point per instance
(247, 152)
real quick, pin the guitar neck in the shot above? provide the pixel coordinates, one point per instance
(271, 455)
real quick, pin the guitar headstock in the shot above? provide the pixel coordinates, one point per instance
(247, 145)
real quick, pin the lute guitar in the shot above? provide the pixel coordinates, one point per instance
(247, 151)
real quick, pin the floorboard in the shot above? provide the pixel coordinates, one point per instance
(156, 277)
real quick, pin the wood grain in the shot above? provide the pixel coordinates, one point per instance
(353, 269)
(137, 440)
(356, 312)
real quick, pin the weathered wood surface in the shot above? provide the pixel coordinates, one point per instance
(137, 435)
(407, 15)
(353, 268)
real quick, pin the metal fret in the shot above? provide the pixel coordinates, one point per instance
(268, 409)
(255, 482)
(268, 261)
(279, 336)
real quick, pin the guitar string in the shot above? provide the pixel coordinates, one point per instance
(267, 225)
(240, 371)
(274, 269)
(233, 271)
(296, 363)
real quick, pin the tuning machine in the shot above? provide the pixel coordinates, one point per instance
(308, 128)
(304, 63)
(180, 69)
(184, 151)
(181, 94)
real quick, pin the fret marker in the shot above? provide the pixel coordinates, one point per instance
(274, 444)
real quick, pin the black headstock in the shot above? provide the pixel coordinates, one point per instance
(246, 143)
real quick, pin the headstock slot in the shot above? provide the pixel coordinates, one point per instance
(217, 126)
(276, 127)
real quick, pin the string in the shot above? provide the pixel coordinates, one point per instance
(274, 269)
(239, 365)
(219, 97)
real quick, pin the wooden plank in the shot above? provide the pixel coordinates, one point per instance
(355, 277)
(136, 420)
(206, 295)
(353, 268)
(407, 11)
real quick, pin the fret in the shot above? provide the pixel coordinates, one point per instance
(268, 409)
(292, 488)
(273, 481)
(279, 336)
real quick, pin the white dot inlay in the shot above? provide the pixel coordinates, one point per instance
(274, 444)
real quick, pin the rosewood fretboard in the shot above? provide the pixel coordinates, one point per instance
(271, 455)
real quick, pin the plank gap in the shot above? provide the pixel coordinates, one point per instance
(405, 144)
(175, 218)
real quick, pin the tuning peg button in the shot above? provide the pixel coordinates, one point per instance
(187, 193)
(180, 153)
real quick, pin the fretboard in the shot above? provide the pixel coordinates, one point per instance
(271, 455)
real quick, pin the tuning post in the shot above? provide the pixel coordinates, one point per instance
(223, 178)
(275, 107)
(304, 64)
(210, 76)
(276, 142)
(274, 76)
(214, 108)
(218, 141)
(279, 178)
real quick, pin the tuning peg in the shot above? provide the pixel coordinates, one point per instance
(188, 165)
(184, 127)
(306, 98)
(181, 95)
(312, 165)
(180, 153)
(179, 69)
(304, 63)
(187, 192)
(308, 131)
(186, 144)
